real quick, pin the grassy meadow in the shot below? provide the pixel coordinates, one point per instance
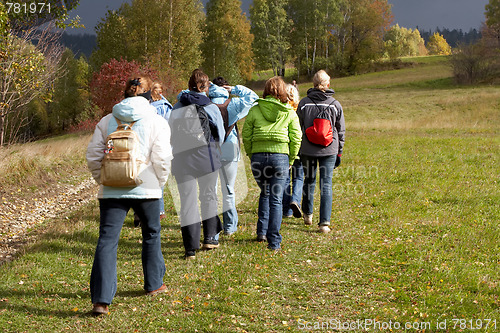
(415, 242)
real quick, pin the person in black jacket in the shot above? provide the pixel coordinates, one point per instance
(314, 155)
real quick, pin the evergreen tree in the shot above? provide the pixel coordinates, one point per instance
(271, 28)
(227, 47)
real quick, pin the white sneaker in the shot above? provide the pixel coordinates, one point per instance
(308, 219)
(324, 229)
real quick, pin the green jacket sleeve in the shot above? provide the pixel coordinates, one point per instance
(295, 136)
(247, 133)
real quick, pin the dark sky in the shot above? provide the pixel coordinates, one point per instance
(426, 14)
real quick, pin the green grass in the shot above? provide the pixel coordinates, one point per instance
(415, 237)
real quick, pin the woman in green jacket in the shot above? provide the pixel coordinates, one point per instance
(271, 137)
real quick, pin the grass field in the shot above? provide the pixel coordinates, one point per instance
(415, 240)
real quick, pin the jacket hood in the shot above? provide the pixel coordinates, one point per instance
(219, 93)
(319, 95)
(192, 97)
(271, 108)
(131, 109)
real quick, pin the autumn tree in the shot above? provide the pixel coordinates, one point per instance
(108, 84)
(26, 73)
(437, 45)
(360, 36)
(311, 37)
(493, 20)
(227, 47)
(271, 28)
(166, 34)
(71, 101)
(402, 42)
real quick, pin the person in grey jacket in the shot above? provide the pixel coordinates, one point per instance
(196, 169)
(232, 110)
(114, 202)
(313, 156)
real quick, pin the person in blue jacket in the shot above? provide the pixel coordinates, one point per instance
(197, 169)
(232, 110)
(163, 108)
(162, 105)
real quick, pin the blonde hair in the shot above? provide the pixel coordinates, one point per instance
(276, 87)
(154, 95)
(293, 96)
(321, 80)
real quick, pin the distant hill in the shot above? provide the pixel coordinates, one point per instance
(79, 43)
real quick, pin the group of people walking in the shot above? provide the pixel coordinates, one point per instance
(274, 135)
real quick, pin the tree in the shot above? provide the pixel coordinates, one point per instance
(26, 73)
(312, 37)
(166, 34)
(493, 19)
(71, 102)
(402, 42)
(437, 45)
(360, 36)
(227, 47)
(25, 15)
(107, 85)
(271, 28)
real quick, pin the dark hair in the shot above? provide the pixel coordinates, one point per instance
(220, 81)
(137, 84)
(198, 81)
(276, 87)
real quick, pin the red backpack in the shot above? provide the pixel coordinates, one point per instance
(321, 131)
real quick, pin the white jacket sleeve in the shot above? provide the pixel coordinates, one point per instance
(95, 149)
(161, 152)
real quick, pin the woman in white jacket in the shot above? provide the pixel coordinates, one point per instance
(114, 202)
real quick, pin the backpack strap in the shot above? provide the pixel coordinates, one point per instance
(225, 117)
(124, 125)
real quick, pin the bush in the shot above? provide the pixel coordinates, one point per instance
(474, 63)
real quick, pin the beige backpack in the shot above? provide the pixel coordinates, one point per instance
(121, 163)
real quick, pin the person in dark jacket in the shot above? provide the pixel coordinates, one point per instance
(198, 168)
(313, 156)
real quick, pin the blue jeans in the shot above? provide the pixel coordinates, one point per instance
(270, 171)
(103, 280)
(293, 192)
(326, 165)
(227, 174)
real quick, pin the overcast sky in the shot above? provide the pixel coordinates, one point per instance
(426, 14)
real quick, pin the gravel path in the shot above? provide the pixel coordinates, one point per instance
(18, 215)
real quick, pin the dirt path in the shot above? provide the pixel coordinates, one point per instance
(19, 214)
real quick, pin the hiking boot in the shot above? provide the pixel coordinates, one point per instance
(190, 255)
(308, 219)
(261, 238)
(210, 243)
(324, 229)
(296, 209)
(162, 289)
